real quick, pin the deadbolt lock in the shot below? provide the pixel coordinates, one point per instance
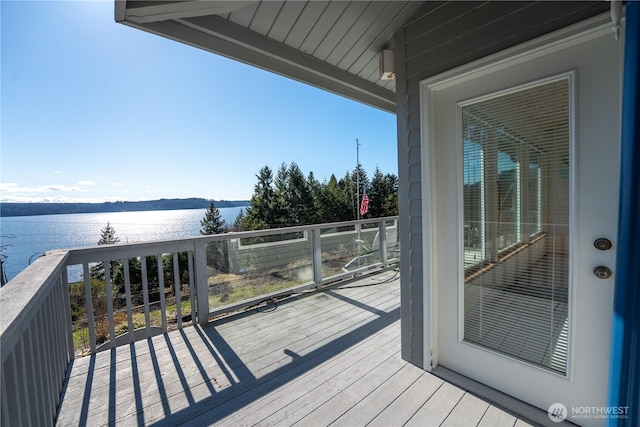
(602, 244)
(602, 272)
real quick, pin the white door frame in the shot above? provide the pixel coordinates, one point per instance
(562, 39)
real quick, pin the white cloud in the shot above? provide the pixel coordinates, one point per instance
(14, 188)
(8, 186)
(57, 199)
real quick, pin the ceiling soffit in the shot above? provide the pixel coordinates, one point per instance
(333, 45)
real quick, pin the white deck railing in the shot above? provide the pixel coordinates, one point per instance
(36, 342)
(210, 275)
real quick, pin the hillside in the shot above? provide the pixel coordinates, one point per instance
(27, 209)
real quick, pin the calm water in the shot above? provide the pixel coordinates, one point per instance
(30, 236)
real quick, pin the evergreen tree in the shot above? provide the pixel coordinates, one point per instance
(260, 214)
(217, 252)
(212, 223)
(298, 198)
(383, 195)
(315, 209)
(390, 206)
(348, 196)
(290, 199)
(335, 201)
(239, 222)
(107, 237)
(281, 204)
(3, 258)
(377, 194)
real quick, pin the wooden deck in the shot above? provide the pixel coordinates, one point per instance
(328, 358)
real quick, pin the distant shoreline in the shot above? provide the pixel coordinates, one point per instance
(32, 209)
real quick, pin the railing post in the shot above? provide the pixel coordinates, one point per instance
(202, 285)
(89, 307)
(382, 232)
(316, 256)
(67, 315)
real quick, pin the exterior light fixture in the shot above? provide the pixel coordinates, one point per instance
(387, 65)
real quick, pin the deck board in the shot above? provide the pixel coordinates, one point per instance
(324, 358)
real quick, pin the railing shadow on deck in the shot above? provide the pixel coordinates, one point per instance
(249, 389)
(243, 387)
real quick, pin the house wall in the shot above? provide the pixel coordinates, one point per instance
(439, 37)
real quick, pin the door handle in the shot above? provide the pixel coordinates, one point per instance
(602, 272)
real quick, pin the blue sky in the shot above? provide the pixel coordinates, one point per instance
(97, 111)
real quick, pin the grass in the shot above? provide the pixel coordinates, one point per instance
(224, 289)
(81, 333)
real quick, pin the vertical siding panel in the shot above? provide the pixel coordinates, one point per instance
(407, 311)
(9, 375)
(32, 375)
(5, 417)
(54, 349)
(45, 365)
(50, 354)
(60, 336)
(24, 384)
(37, 355)
(45, 407)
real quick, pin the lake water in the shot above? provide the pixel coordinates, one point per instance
(30, 236)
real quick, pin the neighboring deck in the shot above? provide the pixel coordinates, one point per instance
(327, 358)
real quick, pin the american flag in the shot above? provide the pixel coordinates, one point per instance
(364, 206)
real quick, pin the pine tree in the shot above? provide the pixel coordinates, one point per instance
(217, 252)
(260, 214)
(239, 223)
(212, 223)
(299, 200)
(281, 206)
(107, 237)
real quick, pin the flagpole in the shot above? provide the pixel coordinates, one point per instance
(358, 239)
(358, 178)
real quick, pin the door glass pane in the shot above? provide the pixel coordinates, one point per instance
(516, 223)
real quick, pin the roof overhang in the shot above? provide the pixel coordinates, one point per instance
(330, 45)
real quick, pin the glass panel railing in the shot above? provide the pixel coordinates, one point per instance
(157, 286)
(392, 240)
(366, 245)
(243, 268)
(339, 247)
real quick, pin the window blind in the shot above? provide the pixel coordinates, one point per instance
(516, 179)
